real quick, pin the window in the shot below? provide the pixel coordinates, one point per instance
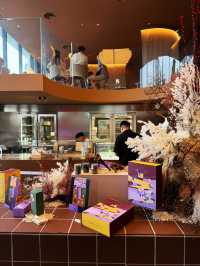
(26, 60)
(1, 42)
(158, 71)
(188, 59)
(12, 55)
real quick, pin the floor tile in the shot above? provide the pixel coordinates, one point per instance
(190, 229)
(26, 263)
(53, 264)
(25, 247)
(82, 248)
(78, 228)
(192, 250)
(28, 228)
(136, 227)
(111, 250)
(57, 227)
(3, 211)
(54, 248)
(139, 214)
(3, 263)
(166, 228)
(169, 250)
(7, 225)
(63, 214)
(5, 247)
(140, 249)
(8, 214)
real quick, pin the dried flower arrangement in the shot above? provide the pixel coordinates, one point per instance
(176, 143)
(57, 181)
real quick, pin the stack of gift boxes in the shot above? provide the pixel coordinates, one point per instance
(144, 190)
(10, 195)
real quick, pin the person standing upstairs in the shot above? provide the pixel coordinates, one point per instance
(79, 67)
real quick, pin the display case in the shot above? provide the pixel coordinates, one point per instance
(104, 128)
(28, 130)
(106, 151)
(47, 129)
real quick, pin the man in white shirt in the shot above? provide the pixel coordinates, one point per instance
(79, 58)
(79, 66)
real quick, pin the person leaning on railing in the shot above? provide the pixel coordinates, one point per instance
(54, 66)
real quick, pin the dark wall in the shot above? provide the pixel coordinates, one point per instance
(71, 119)
(146, 116)
(9, 129)
(70, 123)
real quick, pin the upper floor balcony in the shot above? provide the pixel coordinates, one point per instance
(28, 47)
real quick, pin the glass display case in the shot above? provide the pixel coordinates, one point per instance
(106, 151)
(100, 128)
(28, 130)
(104, 128)
(47, 129)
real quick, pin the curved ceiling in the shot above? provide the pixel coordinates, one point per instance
(100, 24)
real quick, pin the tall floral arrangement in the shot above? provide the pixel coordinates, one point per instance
(183, 96)
(176, 143)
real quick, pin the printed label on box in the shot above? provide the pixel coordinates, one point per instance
(144, 183)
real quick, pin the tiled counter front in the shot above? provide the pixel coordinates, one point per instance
(65, 242)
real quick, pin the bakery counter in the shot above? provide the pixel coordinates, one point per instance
(64, 241)
(25, 162)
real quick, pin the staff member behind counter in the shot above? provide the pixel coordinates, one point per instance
(81, 137)
(121, 149)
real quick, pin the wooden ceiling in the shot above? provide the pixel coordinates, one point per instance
(99, 24)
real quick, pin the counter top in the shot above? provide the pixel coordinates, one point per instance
(27, 156)
(141, 242)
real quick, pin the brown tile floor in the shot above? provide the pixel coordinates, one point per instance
(64, 241)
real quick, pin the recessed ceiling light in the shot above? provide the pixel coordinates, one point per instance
(49, 15)
(97, 24)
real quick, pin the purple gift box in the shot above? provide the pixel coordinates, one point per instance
(145, 184)
(21, 209)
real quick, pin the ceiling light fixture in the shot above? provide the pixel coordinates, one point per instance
(97, 24)
(49, 15)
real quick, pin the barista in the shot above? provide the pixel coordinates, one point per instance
(80, 137)
(121, 149)
(82, 143)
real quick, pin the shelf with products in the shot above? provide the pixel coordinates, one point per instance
(104, 128)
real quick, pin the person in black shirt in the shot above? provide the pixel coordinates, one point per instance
(121, 149)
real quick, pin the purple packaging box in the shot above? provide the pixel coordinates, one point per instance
(22, 208)
(13, 191)
(145, 184)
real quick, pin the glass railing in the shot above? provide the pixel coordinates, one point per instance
(20, 45)
(28, 45)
